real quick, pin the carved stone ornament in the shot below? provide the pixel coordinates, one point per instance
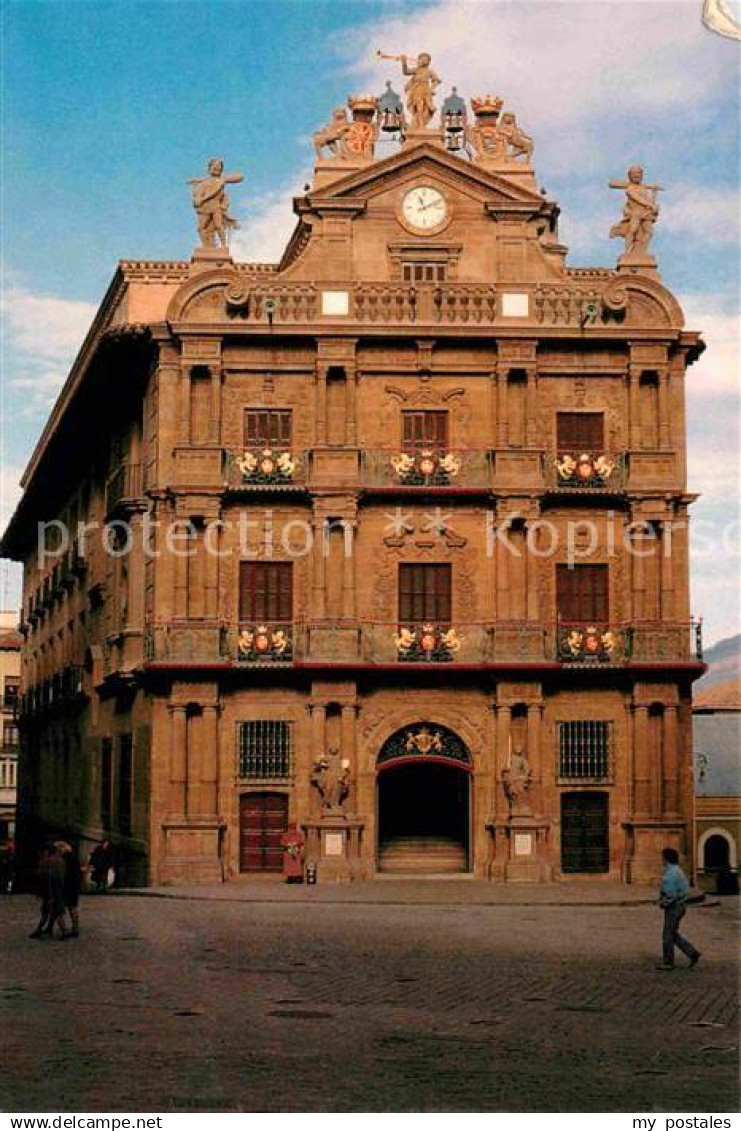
(517, 779)
(331, 779)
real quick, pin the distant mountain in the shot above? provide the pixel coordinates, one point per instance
(724, 663)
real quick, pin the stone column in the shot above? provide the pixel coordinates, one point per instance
(184, 415)
(319, 568)
(318, 731)
(348, 744)
(210, 769)
(671, 763)
(664, 410)
(351, 390)
(502, 569)
(504, 719)
(667, 572)
(502, 414)
(531, 574)
(641, 763)
(216, 390)
(320, 384)
(178, 760)
(635, 409)
(211, 547)
(531, 399)
(348, 571)
(180, 577)
(534, 732)
(194, 786)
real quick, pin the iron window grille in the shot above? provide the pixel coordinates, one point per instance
(585, 750)
(265, 750)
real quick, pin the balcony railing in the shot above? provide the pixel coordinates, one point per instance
(645, 642)
(585, 471)
(265, 468)
(426, 468)
(426, 643)
(123, 486)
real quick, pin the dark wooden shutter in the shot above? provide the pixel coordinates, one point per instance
(267, 428)
(266, 592)
(585, 828)
(425, 430)
(425, 594)
(582, 594)
(580, 432)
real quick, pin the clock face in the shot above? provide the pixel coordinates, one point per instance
(424, 208)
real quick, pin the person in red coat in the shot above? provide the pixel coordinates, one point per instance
(292, 843)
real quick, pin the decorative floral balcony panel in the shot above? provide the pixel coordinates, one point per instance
(591, 643)
(266, 467)
(586, 470)
(427, 642)
(427, 468)
(262, 643)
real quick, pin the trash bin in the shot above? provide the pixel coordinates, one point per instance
(311, 873)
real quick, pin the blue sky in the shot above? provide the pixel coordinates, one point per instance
(109, 107)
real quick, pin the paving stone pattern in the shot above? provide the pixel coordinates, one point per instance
(167, 1005)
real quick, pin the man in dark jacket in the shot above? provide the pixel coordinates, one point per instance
(51, 889)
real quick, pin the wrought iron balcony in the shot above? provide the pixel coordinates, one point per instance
(585, 472)
(265, 469)
(427, 468)
(124, 486)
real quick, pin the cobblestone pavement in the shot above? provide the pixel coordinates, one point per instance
(176, 1005)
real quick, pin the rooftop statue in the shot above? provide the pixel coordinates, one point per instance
(420, 89)
(640, 213)
(212, 204)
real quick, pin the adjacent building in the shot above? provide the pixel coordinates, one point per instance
(387, 539)
(717, 743)
(10, 672)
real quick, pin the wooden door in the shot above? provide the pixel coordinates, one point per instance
(263, 818)
(585, 845)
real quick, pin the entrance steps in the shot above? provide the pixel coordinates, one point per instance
(414, 854)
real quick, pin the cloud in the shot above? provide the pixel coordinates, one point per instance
(42, 334)
(717, 372)
(267, 227)
(706, 214)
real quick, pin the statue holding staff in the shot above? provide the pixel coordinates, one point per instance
(212, 204)
(420, 89)
(640, 212)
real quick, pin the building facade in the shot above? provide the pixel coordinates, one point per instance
(10, 673)
(717, 746)
(388, 539)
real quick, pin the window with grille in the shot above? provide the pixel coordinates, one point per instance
(266, 592)
(425, 594)
(125, 780)
(584, 749)
(267, 428)
(106, 781)
(580, 432)
(582, 594)
(425, 430)
(265, 749)
(423, 272)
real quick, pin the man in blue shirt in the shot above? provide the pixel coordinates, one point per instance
(672, 898)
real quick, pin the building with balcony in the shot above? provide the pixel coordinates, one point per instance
(388, 538)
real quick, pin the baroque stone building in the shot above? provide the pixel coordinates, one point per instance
(387, 539)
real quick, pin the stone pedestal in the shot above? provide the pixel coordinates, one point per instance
(638, 265)
(645, 840)
(333, 844)
(526, 839)
(204, 258)
(330, 169)
(192, 850)
(426, 136)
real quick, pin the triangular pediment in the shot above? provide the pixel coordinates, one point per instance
(428, 158)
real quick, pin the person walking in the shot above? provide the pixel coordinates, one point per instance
(51, 889)
(101, 864)
(72, 884)
(672, 899)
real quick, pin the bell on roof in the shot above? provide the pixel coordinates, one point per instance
(454, 112)
(390, 110)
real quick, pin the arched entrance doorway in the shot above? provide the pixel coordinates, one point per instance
(424, 801)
